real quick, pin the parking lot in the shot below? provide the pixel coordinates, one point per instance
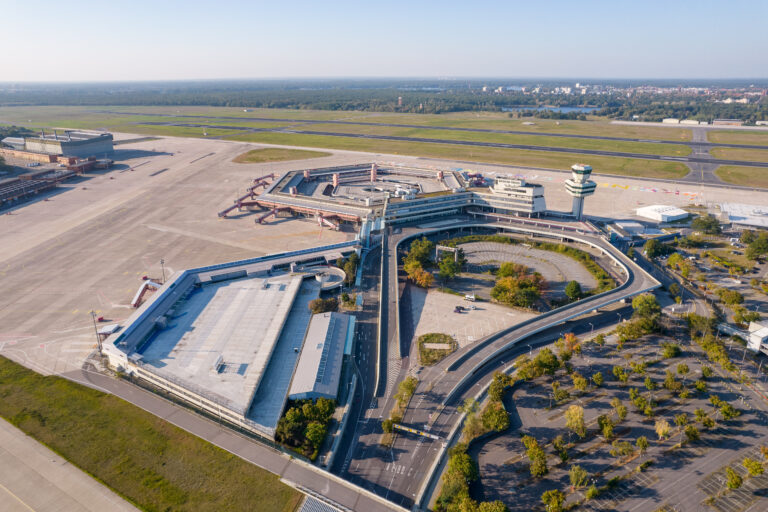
(504, 465)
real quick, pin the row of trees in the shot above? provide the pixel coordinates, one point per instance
(405, 391)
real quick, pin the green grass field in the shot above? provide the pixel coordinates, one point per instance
(538, 140)
(542, 159)
(90, 117)
(145, 459)
(745, 155)
(745, 176)
(258, 156)
(738, 137)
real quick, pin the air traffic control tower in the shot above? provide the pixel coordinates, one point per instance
(580, 186)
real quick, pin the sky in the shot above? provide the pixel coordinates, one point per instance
(85, 40)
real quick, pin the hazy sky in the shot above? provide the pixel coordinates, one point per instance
(170, 39)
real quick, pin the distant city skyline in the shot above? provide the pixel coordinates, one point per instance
(174, 40)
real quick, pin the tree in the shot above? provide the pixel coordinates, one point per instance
(387, 426)
(621, 449)
(754, 467)
(592, 492)
(559, 445)
(607, 430)
(674, 288)
(579, 382)
(553, 500)
(538, 462)
(732, 479)
(461, 463)
(574, 420)
(597, 378)
(492, 506)
(510, 269)
(620, 374)
(558, 393)
(578, 476)
(650, 385)
(495, 417)
(671, 383)
(449, 268)
(758, 247)
(317, 306)
(621, 412)
(642, 444)
(573, 290)
(653, 248)
(681, 420)
(691, 433)
(646, 305)
(671, 350)
(315, 434)
(420, 251)
(706, 224)
(498, 385)
(662, 429)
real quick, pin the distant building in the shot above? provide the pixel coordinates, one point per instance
(662, 213)
(670, 120)
(761, 123)
(727, 122)
(318, 371)
(71, 143)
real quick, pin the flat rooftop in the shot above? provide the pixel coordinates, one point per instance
(319, 368)
(219, 340)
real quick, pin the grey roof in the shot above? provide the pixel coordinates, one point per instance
(319, 368)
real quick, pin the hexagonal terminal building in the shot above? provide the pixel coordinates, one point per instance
(580, 186)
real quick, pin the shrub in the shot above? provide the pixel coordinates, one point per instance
(733, 480)
(317, 306)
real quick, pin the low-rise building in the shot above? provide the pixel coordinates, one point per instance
(662, 213)
(758, 337)
(318, 372)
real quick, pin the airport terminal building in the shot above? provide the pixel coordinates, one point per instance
(237, 340)
(80, 144)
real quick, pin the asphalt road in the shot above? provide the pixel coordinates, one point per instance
(445, 128)
(398, 473)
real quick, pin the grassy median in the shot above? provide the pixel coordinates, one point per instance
(745, 155)
(260, 156)
(543, 159)
(759, 138)
(145, 459)
(756, 177)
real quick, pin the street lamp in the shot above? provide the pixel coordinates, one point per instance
(162, 266)
(619, 316)
(96, 330)
(592, 328)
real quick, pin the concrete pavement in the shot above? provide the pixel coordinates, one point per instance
(34, 478)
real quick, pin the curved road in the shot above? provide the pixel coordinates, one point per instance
(401, 471)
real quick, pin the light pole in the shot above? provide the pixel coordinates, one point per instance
(162, 266)
(619, 316)
(96, 330)
(592, 328)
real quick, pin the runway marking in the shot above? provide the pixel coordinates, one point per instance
(16, 497)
